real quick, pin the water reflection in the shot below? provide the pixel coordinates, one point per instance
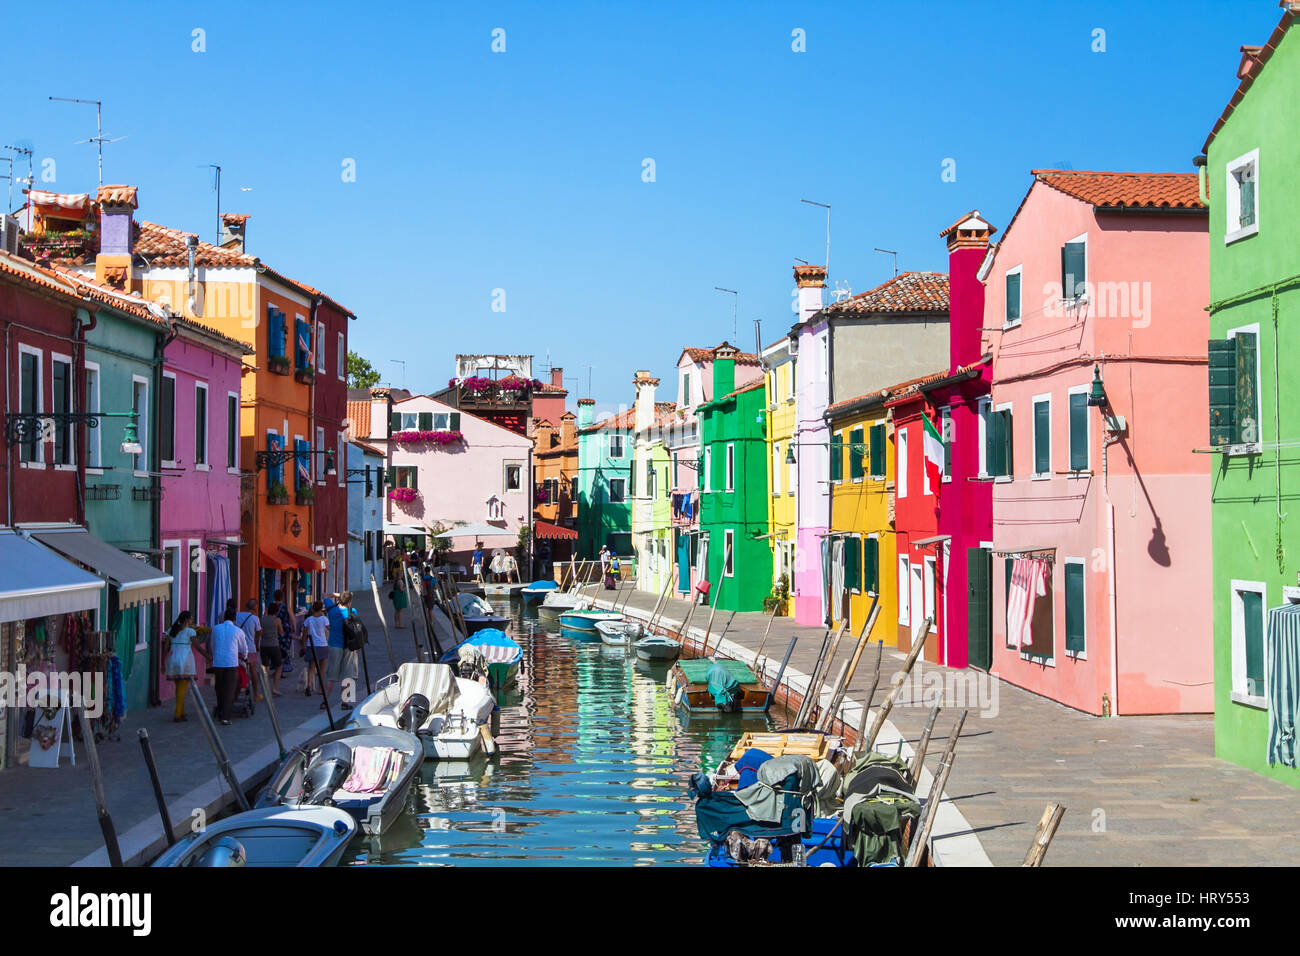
(593, 769)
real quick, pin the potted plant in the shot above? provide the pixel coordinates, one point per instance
(304, 374)
(777, 601)
(304, 494)
(278, 364)
(278, 494)
(403, 494)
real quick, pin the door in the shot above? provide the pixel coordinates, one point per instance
(683, 562)
(979, 607)
(918, 597)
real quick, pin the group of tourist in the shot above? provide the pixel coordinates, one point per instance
(273, 638)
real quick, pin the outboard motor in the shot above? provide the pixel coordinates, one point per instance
(326, 773)
(413, 713)
(225, 851)
(470, 663)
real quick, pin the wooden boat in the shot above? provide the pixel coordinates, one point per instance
(364, 771)
(657, 647)
(586, 620)
(449, 714)
(815, 746)
(536, 592)
(479, 614)
(490, 652)
(691, 688)
(270, 836)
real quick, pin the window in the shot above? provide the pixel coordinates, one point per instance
(900, 466)
(408, 421)
(514, 476)
(999, 454)
(29, 401)
(871, 564)
(615, 445)
(1242, 195)
(982, 424)
(1042, 436)
(1079, 440)
(340, 462)
(232, 431)
(320, 444)
(931, 593)
(1234, 392)
(274, 472)
(686, 389)
(368, 554)
(878, 451)
(728, 552)
(1248, 643)
(825, 351)
(904, 591)
(651, 480)
(853, 564)
(343, 359)
(320, 346)
(276, 331)
(1074, 267)
(708, 469)
(857, 455)
(140, 405)
(196, 588)
(617, 491)
(61, 389)
(731, 466)
(303, 464)
(93, 459)
(302, 343)
(201, 425)
(837, 457)
(945, 425)
(1011, 316)
(778, 466)
(167, 422)
(1075, 608)
(404, 476)
(789, 382)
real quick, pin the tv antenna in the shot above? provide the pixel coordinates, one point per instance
(827, 207)
(735, 305)
(217, 187)
(98, 139)
(29, 180)
(890, 252)
(402, 363)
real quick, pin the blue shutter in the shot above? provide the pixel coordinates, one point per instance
(302, 464)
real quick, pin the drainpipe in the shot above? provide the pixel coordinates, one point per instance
(1107, 441)
(80, 327)
(1202, 187)
(161, 341)
(311, 440)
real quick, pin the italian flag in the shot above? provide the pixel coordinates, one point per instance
(933, 454)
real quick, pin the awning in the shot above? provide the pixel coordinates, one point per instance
(223, 543)
(136, 582)
(38, 583)
(395, 529)
(275, 560)
(476, 529)
(1282, 673)
(545, 531)
(934, 540)
(306, 560)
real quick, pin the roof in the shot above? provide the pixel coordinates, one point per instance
(708, 355)
(747, 387)
(905, 292)
(369, 448)
(560, 448)
(117, 196)
(900, 390)
(1108, 190)
(1260, 56)
(623, 420)
(358, 415)
(77, 289)
(549, 389)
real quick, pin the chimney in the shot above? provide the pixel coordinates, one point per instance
(724, 370)
(645, 399)
(233, 226)
(811, 281)
(567, 426)
(557, 377)
(543, 434)
(968, 244)
(117, 205)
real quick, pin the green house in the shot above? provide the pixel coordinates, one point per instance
(1248, 172)
(605, 482)
(733, 483)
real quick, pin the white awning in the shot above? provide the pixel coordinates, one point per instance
(36, 582)
(395, 529)
(136, 582)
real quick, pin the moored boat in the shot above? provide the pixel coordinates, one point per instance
(449, 714)
(586, 620)
(479, 614)
(614, 632)
(658, 647)
(490, 652)
(536, 592)
(718, 686)
(270, 836)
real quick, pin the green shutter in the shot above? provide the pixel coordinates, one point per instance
(945, 423)
(856, 449)
(1006, 596)
(454, 420)
(1252, 604)
(425, 421)
(394, 423)
(997, 445)
(1042, 438)
(1074, 615)
(1247, 193)
(852, 564)
(392, 477)
(878, 451)
(1073, 268)
(413, 479)
(1013, 297)
(871, 564)
(167, 423)
(979, 594)
(1079, 431)
(1223, 391)
(837, 458)
(1008, 446)
(1247, 410)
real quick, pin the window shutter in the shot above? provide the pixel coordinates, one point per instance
(1008, 446)
(276, 329)
(454, 418)
(852, 565)
(392, 477)
(997, 450)
(1247, 202)
(1079, 432)
(1013, 297)
(871, 564)
(426, 421)
(1073, 268)
(413, 477)
(878, 451)
(1074, 640)
(837, 458)
(979, 616)
(1042, 437)
(1252, 607)
(1223, 391)
(394, 423)
(945, 423)
(167, 426)
(1247, 411)
(855, 453)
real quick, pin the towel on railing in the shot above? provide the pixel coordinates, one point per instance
(370, 769)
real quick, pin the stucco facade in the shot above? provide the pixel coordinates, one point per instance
(779, 363)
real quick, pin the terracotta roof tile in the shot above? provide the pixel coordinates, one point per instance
(707, 355)
(358, 416)
(906, 292)
(76, 288)
(118, 196)
(1107, 190)
(1259, 56)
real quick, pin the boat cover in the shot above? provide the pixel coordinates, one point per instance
(471, 605)
(875, 824)
(446, 634)
(492, 644)
(697, 671)
(719, 812)
(723, 686)
(434, 681)
(542, 586)
(748, 764)
(764, 802)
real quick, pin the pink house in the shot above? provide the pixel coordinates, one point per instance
(1101, 531)
(447, 467)
(198, 434)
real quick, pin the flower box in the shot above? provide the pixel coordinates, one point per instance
(413, 437)
(278, 364)
(403, 494)
(277, 495)
(305, 375)
(304, 496)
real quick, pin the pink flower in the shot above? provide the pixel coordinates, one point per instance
(403, 494)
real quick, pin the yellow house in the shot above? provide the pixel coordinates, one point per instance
(779, 363)
(862, 549)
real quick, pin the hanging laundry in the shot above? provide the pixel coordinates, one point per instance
(1028, 582)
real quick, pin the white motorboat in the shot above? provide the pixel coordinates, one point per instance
(268, 836)
(449, 714)
(620, 633)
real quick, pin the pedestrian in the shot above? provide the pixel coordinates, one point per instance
(400, 601)
(604, 560)
(227, 640)
(316, 638)
(180, 660)
(342, 665)
(271, 651)
(476, 561)
(288, 630)
(252, 627)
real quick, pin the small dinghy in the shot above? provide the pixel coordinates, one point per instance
(657, 647)
(479, 614)
(270, 836)
(619, 633)
(536, 592)
(449, 714)
(556, 603)
(490, 653)
(586, 620)
(363, 771)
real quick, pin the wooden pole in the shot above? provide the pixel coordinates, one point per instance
(218, 748)
(918, 758)
(723, 633)
(663, 598)
(97, 784)
(388, 638)
(722, 578)
(766, 631)
(776, 684)
(812, 698)
(821, 654)
(265, 686)
(1047, 825)
(871, 694)
(681, 634)
(888, 705)
(842, 687)
(919, 839)
(163, 813)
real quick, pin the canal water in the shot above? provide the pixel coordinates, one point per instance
(592, 771)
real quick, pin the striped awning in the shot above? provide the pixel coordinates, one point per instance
(136, 582)
(36, 582)
(1282, 686)
(545, 531)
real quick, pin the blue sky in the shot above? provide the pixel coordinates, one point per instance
(522, 170)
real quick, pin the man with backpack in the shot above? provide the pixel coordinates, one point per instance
(346, 637)
(251, 625)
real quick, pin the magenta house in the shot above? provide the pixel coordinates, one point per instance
(198, 435)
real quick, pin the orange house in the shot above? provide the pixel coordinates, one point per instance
(555, 467)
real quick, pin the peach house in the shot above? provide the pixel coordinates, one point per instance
(1101, 547)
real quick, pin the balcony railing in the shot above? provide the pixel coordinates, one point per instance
(492, 397)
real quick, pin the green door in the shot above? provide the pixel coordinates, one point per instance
(979, 579)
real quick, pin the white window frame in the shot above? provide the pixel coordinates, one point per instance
(1247, 448)
(320, 347)
(946, 437)
(617, 437)
(39, 461)
(175, 547)
(731, 466)
(340, 460)
(904, 590)
(900, 463)
(728, 552)
(505, 477)
(206, 464)
(72, 407)
(930, 582)
(778, 466)
(92, 434)
(1065, 597)
(446, 421)
(708, 468)
(1232, 192)
(1011, 465)
(343, 358)
(320, 443)
(1020, 305)
(174, 461)
(789, 382)
(234, 421)
(142, 426)
(1087, 267)
(983, 408)
(1033, 435)
(1238, 688)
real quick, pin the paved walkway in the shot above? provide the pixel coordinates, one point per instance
(48, 817)
(1139, 791)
